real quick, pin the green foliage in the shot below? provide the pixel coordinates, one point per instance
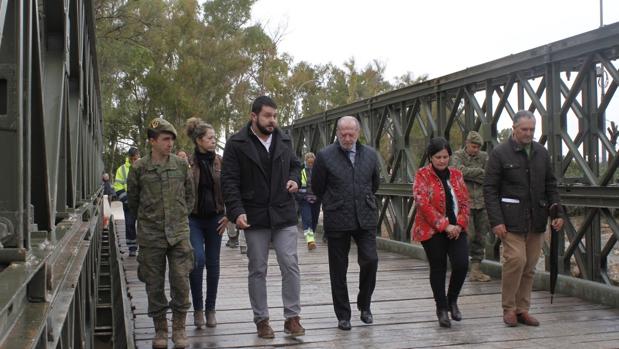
(183, 58)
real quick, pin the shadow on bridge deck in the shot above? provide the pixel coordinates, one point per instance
(404, 313)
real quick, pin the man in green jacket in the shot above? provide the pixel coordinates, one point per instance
(520, 189)
(120, 187)
(161, 195)
(472, 162)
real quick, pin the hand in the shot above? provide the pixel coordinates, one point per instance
(241, 221)
(292, 186)
(453, 231)
(500, 231)
(557, 223)
(223, 224)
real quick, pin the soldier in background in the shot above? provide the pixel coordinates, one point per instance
(471, 161)
(161, 194)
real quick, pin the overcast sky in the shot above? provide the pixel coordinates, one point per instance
(434, 37)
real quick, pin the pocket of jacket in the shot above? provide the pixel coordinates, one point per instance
(332, 206)
(370, 201)
(512, 214)
(183, 204)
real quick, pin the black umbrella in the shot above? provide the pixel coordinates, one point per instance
(554, 251)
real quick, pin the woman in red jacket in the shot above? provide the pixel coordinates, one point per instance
(442, 203)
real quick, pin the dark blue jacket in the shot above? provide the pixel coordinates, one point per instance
(347, 192)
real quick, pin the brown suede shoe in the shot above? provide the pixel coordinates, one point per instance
(264, 329)
(527, 319)
(509, 318)
(293, 327)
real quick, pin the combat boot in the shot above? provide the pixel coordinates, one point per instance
(476, 274)
(161, 332)
(178, 330)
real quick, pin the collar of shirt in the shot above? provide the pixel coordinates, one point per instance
(352, 150)
(267, 143)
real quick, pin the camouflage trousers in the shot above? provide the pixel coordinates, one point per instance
(477, 231)
(151, 271)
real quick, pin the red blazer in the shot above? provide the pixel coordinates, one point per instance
(429, 196)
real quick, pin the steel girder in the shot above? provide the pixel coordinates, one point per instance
(51, 147)
(558, 82)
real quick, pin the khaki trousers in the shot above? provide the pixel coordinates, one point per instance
(520, 254)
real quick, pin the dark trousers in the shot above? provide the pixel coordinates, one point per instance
(206, 244)
(130, 235)
(437, 249)
(309, 214)
(367, 257)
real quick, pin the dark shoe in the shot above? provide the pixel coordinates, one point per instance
(527, 319)
(509, 318)
(366, 316)
(292, 326)
(455, 312)
(232, 243)
(344, 325)
(443, 318)
(132, 253)
(264, 329)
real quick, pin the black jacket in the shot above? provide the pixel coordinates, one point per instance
(245, 186)
(347, 191)
(519, 191)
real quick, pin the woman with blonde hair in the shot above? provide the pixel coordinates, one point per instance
(207, 221)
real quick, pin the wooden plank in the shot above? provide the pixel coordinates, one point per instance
(403, 307)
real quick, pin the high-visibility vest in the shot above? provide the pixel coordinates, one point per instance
(120, 181)
(303, 178)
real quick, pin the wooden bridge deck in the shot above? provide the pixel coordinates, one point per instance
(404, 313)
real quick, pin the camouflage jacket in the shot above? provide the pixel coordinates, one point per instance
(473, 170)
(161, 196)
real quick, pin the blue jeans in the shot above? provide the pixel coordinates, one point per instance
(309, 214)
(130, 234)
(206, 244)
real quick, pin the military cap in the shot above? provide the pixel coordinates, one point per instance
(161, 125)
(474, 137)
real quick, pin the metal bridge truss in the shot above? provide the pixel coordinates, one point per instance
(51, 263)
(559, 82)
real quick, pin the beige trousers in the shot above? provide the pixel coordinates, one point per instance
(520, 254)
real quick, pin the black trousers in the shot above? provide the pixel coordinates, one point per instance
(437, 249)
(367, 257)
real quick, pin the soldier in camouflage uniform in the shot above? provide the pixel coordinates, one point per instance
(161, 195)
(472, 162)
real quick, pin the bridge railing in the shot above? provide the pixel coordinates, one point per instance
(568, 84)
(51, 144)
